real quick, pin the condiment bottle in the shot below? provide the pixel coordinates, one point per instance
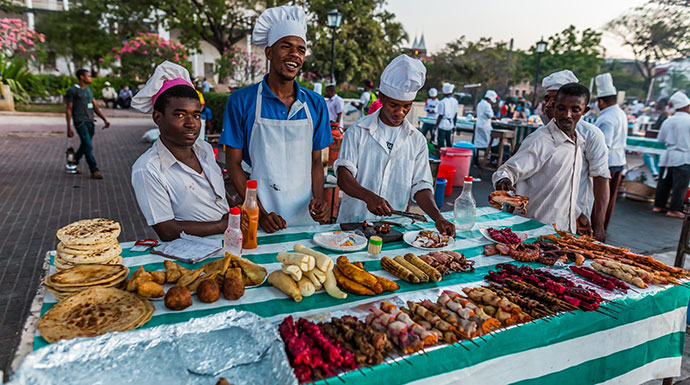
(465, 209)
(250, 216)
(375, 246)
(232, 241)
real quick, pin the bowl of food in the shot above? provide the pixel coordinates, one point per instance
(428, 240)
(504, 236)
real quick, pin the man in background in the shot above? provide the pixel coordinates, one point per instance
(431, 108)
(206, 86)
(367, 97)
(447, 117)
(124, 99)
(109, 95)
(335, 105)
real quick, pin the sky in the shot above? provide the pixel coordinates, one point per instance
(526, 21)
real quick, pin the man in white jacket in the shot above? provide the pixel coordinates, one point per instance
(384, 160)
(485, 113)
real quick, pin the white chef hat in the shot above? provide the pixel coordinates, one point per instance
(605, 85)
(448, 88)
(402, 78)
(558, 79)
(491, 94)
(166, 75)
(433, 92)
(107, 83)
(278, 22)
(679, 100)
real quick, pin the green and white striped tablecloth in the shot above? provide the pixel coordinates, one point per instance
(644, 145)
(645, 342)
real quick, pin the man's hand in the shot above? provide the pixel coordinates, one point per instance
(504, 184)
(318, 209)
(70, 132)
(106, 124)
(583, 226)
(271, 222)
(445, 227)
(378, 206)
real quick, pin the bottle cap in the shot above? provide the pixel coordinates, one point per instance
(251, 184)
(468, 179)
(235, 210)
(375, 240)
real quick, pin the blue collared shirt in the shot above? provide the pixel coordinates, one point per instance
(240, 112)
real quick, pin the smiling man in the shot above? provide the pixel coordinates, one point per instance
(384, 160)
(178, 185)
(278, 129)
(548, 165)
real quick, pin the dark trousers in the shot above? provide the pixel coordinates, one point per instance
(674, 183)
(444, 138)
(428, 128)
(85, 132)
(614, 184)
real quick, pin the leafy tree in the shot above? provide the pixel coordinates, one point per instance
(625, 79)
(236, 64)
(18, 40)
(139, 56)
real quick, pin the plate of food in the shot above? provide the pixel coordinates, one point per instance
(504, 236)
(428, 240)
(340, 241)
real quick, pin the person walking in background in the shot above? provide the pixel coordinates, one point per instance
(431, 108)
(80, 108)
(124, 99)
(206, 86)
(366, 99)
(675, 160)
(447, 117)
(660, 112)
(335, 105)
(109, 95)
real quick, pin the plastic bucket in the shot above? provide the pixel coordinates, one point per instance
(460, 158)
(448, 173)
(468, 145)
(439, 195)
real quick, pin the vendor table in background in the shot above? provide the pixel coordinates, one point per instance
(644, 342)
(461, 125)
(644, 145)
(521, 130)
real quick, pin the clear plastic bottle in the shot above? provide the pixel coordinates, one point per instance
(465, 209)
(232, 241)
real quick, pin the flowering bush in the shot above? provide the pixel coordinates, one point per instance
(235, 64)
(139, 56)
(18, 40)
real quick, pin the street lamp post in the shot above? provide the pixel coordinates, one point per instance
(541, 47)
(333, 19)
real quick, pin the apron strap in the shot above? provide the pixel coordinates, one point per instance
(259, 98)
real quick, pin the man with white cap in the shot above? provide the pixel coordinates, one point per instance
(675, 161)
(177, 182)
(109, 95)
(485, 113)
(613, 122)
(447, 116)
(278, 128)
(431, 108)
(593, 197)
(384, 160)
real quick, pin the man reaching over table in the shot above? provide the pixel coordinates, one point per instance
(384, 160)
(594, 180)
(278, 128)
(548, 165)
(178, 185)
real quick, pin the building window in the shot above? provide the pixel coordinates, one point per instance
(208, 70)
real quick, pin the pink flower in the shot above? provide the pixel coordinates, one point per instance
(100, 59)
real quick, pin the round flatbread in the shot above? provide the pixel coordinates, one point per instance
(92, 257)
(81, 249)
(89, 231)
(149, 313)
(92, 312)
(87, 275)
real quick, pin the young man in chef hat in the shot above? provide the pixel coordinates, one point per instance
(178, 185)
(613, 122)
(431, 108)
(384, 160)
(447, 117)
(278, 128)
(593, 197)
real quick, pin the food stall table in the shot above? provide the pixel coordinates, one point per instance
(522, 130)
(461, 125)
(650, 148)
(644, 341)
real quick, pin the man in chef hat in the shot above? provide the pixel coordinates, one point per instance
(485, 113)
(593, 197)
(278, 128)
(178, 185)
(675, 161)
(613, 122)
(447, 117)
(384, 160)
(431, 108)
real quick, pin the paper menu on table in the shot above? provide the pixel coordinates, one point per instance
(189, 248)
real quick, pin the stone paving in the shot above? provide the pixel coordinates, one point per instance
(37, 197)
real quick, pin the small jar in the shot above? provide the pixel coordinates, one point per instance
(375, 246)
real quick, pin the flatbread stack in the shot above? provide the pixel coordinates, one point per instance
(89, 241)
(82, 277)
(93, 312)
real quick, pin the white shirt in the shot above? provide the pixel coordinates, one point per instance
(431, 108)
(109, 93)
(169, 189)
(448, 108)
(547, 169)
(335, 105)
(482, 129)
(613, 122)
(395, 175)
(675, 133)
(595, 163)
(364, 99)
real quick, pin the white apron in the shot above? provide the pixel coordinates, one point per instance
(280, 151)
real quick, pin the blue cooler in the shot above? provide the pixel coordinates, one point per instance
(439, 192)
(465, 144)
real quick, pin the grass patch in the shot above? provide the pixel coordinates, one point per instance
(60, 108)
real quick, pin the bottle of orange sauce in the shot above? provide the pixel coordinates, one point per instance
(250, 217)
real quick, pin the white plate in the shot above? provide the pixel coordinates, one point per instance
(410, 236)
(485, 232)
(332, 240)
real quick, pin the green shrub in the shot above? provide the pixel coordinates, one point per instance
(53, 85)
(216, 102)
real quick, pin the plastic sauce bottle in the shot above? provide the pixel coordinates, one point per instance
(232, 242)
(465, 209)
(250, 216)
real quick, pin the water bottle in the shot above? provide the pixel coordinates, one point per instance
(232, 241)
(465, 209)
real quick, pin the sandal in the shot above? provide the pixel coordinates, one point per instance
(675, 214)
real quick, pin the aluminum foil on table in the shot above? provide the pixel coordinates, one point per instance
(236, 345)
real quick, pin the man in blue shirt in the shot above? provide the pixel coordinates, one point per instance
(278, 128)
